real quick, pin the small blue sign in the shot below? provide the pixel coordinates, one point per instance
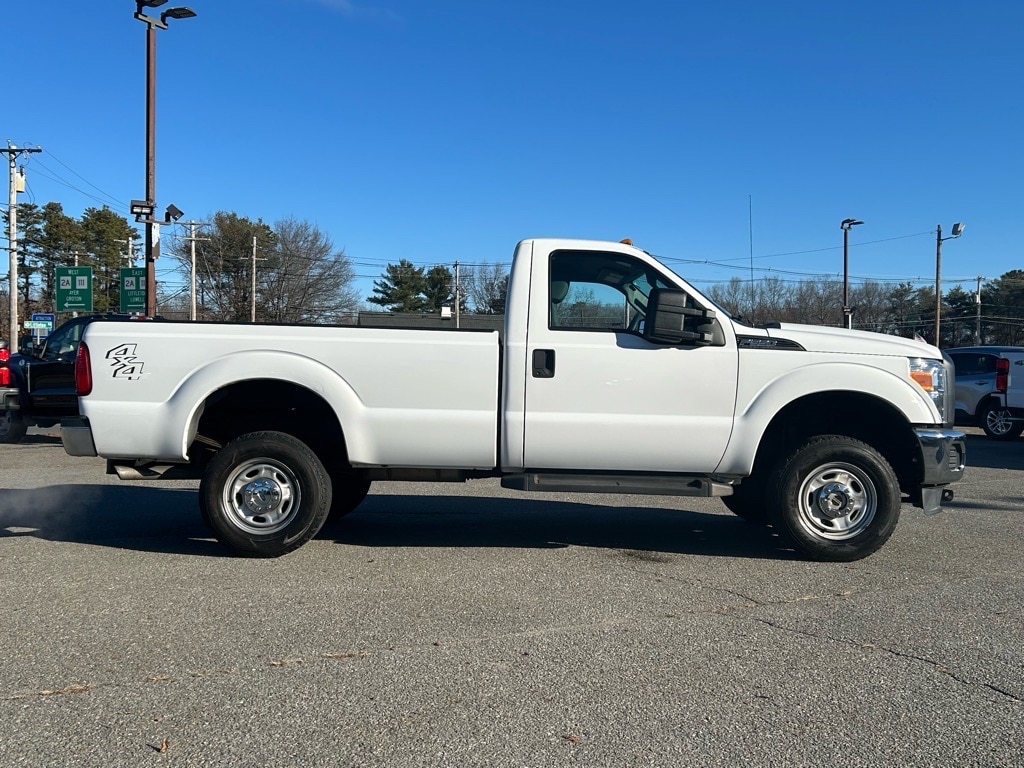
(44, 317)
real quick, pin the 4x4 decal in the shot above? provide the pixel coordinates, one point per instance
(124, 362)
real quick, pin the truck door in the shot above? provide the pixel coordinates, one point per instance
(1015, 385)
(51, 376)
(601, 397)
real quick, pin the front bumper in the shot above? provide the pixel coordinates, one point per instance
(943, 460)
(76, 435)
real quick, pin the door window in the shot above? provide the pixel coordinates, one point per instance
(62, 344)
(597, 291)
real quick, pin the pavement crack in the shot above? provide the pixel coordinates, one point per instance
(935, 665)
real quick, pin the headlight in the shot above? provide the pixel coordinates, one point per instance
(930, 375)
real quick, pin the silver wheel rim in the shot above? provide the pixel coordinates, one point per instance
(998, 421)
(261, 496)
(837, 501)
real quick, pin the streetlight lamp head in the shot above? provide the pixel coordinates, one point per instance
(179, 12)
(149, 3)
(847, 223)
(958, 229)
(141, 208)
(174, 212)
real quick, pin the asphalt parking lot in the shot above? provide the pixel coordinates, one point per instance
(465, 625)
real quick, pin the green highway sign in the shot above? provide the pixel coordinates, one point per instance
(133, 289)
(74, 289)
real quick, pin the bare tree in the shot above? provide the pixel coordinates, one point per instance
(733, 295)
(487, 285)
(871, 302)
(303, 278)
(819, 302)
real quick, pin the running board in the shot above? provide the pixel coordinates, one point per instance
(653, 485)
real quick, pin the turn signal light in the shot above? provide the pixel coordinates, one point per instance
(924, 379)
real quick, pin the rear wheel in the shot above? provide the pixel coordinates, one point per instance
(998, 424)
(835, 499)
(13, 426)
(265, 494)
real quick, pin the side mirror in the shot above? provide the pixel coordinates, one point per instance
(670, 321)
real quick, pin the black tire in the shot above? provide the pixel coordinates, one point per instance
(348, 490)
(747, 502)
(996, 421)
(265, 494)
(13, 426)
(835, 499)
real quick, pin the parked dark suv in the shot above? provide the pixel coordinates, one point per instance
(38, 387)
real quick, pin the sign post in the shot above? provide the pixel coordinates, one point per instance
(74, 289)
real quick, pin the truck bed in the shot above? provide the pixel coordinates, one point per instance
(446, 384)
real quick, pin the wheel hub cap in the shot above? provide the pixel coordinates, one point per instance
(262, 495)
(834, 500)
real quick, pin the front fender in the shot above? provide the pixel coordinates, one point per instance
(757, 406)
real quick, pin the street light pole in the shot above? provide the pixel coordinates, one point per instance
(958, 229)
(152, 239)
(845, 225)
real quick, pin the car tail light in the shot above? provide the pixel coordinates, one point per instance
(83, 371)
(5, 371)
(1002, 374)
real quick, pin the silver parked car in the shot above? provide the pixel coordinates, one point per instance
(982, 381)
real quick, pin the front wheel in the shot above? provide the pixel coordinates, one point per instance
(348, 490)
(265, 494)
(998, 424)
(835, 498)
(13, 426)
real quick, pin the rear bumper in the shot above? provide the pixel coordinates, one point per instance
(76, 434)
(10, 399)
(943, 460)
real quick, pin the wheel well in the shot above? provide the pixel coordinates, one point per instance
(272, 404)
(985, 402)
(854, 414)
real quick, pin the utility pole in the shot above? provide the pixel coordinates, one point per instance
(129, 254)
(13, 153)
(977, 315)
(192, 240)
(457, 297)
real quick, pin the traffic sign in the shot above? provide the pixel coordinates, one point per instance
(74, 289)
(133, 289)
(43, 321)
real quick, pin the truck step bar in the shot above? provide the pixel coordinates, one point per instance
(654, 485)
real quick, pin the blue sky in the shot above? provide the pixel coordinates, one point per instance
(449, 130)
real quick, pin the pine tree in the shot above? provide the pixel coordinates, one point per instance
(400, 288)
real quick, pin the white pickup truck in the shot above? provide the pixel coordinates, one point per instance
(614, 375)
